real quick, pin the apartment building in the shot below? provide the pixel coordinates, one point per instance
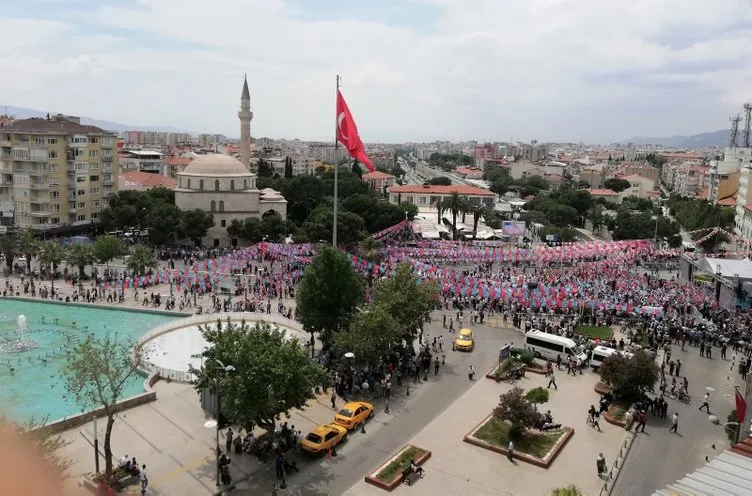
(301, 165)
(379, 181)
(639, 186)
(55, 173)
(142, 161)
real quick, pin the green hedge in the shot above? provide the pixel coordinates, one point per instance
(523, 355)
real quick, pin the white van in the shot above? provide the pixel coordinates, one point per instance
(600, 353)
(549, 346)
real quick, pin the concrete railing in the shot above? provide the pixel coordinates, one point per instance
(205, 319)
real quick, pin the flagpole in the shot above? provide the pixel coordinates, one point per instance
(336, 174)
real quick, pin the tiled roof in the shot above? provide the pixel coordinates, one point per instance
(602, 192)
(748, 207)
(177, 160)
(377, 175)
(461, 189)
(148, 179)
(728, 202)
(39, 125)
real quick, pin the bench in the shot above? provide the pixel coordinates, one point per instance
(125, 481)
(409, 476)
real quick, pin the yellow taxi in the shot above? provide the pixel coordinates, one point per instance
(354, 414)
(464, 340)
(322, 438)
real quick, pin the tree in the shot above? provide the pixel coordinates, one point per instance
(477, 212)
(288, 168)
(536, 182)
(357, 169)
(141, 260)
(329, 293)
(596, 216)
(630, 376)
(9, 247)
(51, 254)
(454, 204)
(617, 184)
(272, 374)
(48, 445)
(406, 299)
(370, 250)
(537, 396)
(275, 228)
(28, 245)
(107, 248)
(96, 373)
(318, 227)
(518, 411)
(570, 490)
(164, 224)
(195, 223)
(263, 168)
(249, 230)
(80, 256)
(440, 181)
(410, 209)
(370, 336)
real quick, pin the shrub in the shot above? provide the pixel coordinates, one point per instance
(523, 355)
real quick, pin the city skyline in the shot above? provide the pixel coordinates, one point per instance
(413, 70)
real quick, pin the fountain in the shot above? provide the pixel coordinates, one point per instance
(18, 343)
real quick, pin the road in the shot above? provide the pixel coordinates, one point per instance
(386, 433)
(658, 457)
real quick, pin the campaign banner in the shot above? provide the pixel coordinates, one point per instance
(513, 228)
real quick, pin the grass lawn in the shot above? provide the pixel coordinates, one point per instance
(618, 409)
(496, 432)
(399, 464)
(594, 331)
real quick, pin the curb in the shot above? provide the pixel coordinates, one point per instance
(621, 458)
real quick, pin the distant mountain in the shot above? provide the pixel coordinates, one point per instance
(714, 138)
(23, 113)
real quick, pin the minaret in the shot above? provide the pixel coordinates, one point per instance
(245, 115)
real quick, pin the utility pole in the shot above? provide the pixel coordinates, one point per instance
(336, 172)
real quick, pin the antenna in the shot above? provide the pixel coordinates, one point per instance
(734, 130)
(747, 124)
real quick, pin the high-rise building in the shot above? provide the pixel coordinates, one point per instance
(55, 173)
(245, 115)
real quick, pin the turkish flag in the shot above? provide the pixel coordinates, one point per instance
(347, 133)
(741, 408)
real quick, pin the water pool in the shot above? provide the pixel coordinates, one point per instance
(35, 388)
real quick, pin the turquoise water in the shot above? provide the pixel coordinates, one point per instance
(35, 389)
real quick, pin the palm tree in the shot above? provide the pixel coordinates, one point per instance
(370, 249)
(80, 256)
(8, 247)
(478, 211)
(141, 260)
(28, 245)
(51, 253)
(439, 210)
(466, 206)
(454, 204)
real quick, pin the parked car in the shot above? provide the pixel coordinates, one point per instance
(322, 438)
(354, 414)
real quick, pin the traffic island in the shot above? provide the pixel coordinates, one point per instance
(388, 475)
(539, 448)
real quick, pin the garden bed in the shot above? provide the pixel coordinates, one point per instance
(602, 389)
(498, 371)
(604, 333)
(388, 475)
(537, 448)
(616, 412)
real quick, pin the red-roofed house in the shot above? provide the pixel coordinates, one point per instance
(378, 180)
(609, 195)
(172, 166)
(470, 172)
(427, 195)
(141, 181)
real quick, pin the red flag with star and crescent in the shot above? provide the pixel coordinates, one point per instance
(347, 133)
(741, 407)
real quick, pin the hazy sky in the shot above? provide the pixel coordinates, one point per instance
(552, 70)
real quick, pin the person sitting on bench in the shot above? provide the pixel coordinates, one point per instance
(415, 468)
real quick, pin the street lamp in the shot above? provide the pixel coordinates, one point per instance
(226, 369)
(713, 419)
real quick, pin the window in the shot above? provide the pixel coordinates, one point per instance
(81, 192)
(52, 141)
(24, 138)
(81, 205)
(54, 194)
(93, 140)
(39, 140)
(201, 184)
(55, 220)
(93, 166)
(52, 154)
(94, 216)
(54, 182)
(81, 179)
(94, 191)
(224, 223)
(93, 153)
(221, 205)
(81, 217)
(232, 185)
(213, 206)
(21, 153)
(78, 152)
(245, 183)
(216, 185)
(93, 178)
(540, 343)
(189, 184)
(80, 166)
(56, 207)
(54, 168)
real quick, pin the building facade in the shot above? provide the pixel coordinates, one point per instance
(142, 161)
(426, 195)
(56, 173)
(223, 186)
(379, 181)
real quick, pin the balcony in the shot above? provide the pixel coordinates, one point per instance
(40, 213)
(81, 223)
(5, 144)
(39, 186)
(39, 200)
(45, 227)
(107, 182)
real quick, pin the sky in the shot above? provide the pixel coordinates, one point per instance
(412, 70)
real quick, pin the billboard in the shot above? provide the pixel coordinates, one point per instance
(513, 228)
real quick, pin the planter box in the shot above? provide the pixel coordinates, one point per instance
(601, 388)
(535, 368)
(372, 478)
(544, 462)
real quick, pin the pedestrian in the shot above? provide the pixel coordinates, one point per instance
(510, 451)
(334, 399)
(436, 365)
(144, 479)
(228, 440)
(552, 380)
(678, 367)
(706, 403)
(470, 372)
(674, 423)
(558, 362)
(671, 366)
(642, 418)
(600, 464)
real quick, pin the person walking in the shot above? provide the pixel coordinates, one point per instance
(552, 380)
(510, 451)
(674, 423)
(334, 399)
(144, 479)
(470, 372)
(600, 464)
(706, 403)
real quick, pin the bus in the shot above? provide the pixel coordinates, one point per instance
(549, 346)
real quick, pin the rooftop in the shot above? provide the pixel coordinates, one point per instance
(52, 126)
(377, 175)
(149, 180)
(460, 189)
(601, 192)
